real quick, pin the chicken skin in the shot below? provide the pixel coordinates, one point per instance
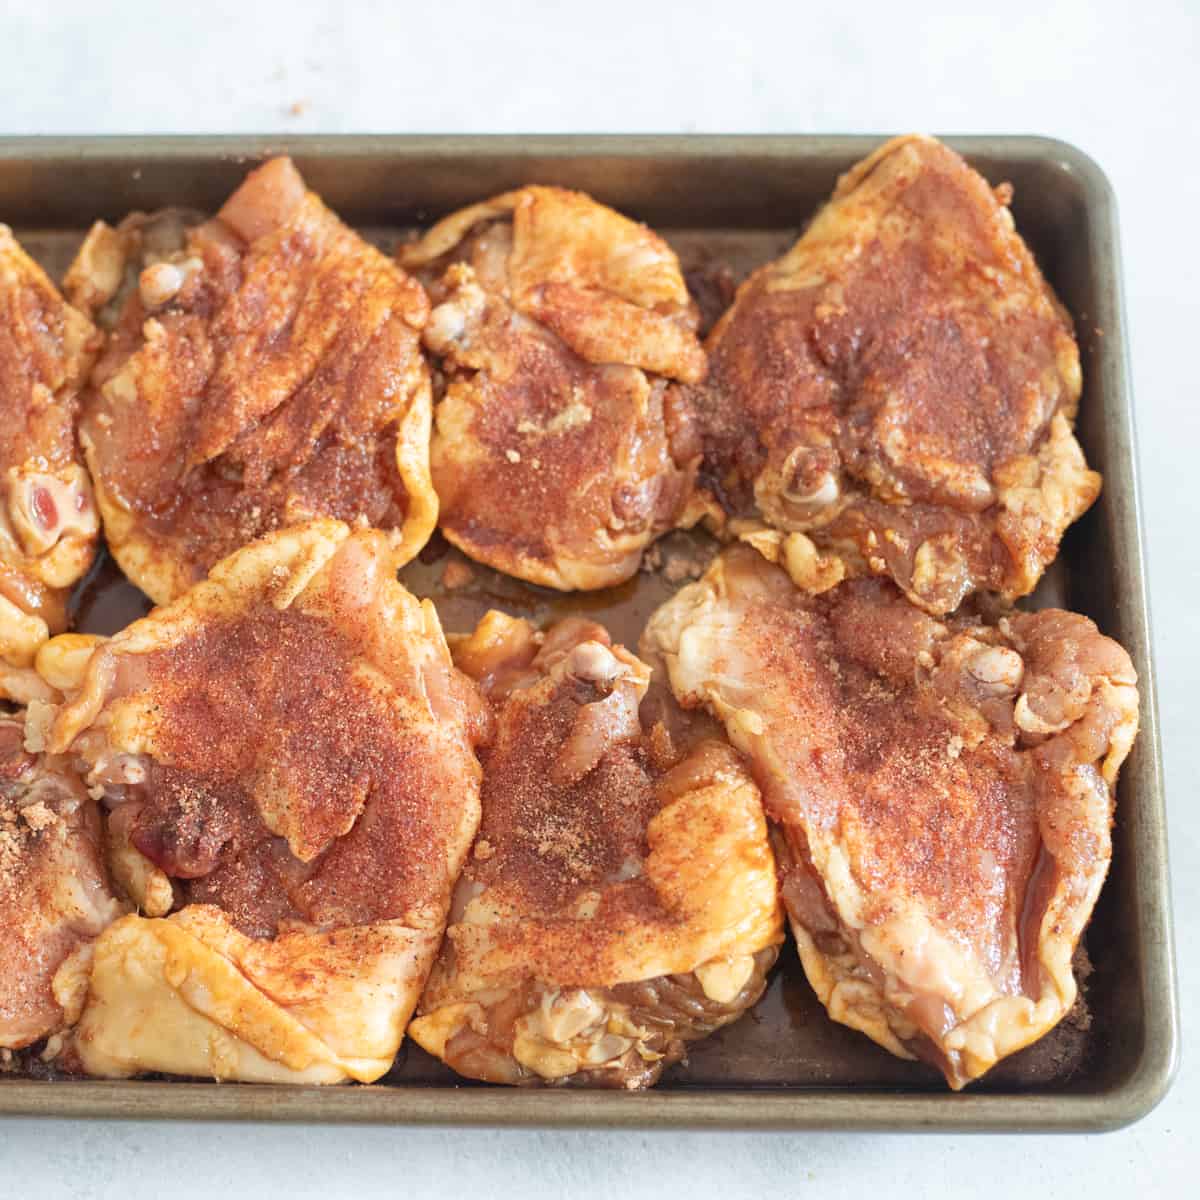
(48, 520)
(558, 453)
(621, 898)
(264, 368)
(54, 890)
(287, 752)
(944, 791)
(900, 388)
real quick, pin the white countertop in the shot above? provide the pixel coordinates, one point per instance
(1120, 80)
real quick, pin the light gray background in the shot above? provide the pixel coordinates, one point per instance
(1119, 79)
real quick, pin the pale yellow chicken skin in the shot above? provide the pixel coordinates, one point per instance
(558, 455)
(944, 791)
(900, 388)
(620, 900)
(48, 520)
(287, 753)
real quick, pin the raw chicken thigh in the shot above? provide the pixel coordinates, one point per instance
(55, 894)
(558, 453)
(48, 520)
(900, 388)
(287, 752)
(944, 790)
(264, 369)
(620, 900)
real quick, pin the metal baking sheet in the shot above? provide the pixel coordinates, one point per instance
(727, 204)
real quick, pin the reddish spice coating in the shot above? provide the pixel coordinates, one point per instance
(944, 792)
(542, 484)
(622, 873)
(557, 823)
(46, 351)
(549, 841)
(881, 386)
(271, 386)
(945, 757)
(576, 770)
(54, 890)
(284, 680)
(884, 751)
(553, 457)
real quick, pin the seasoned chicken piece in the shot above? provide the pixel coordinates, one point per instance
(287, 753)
(54, 891)
(557, 456)
(944, 791)
(621, 897)
(901, 387)
(48, 521)
(265, 369)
